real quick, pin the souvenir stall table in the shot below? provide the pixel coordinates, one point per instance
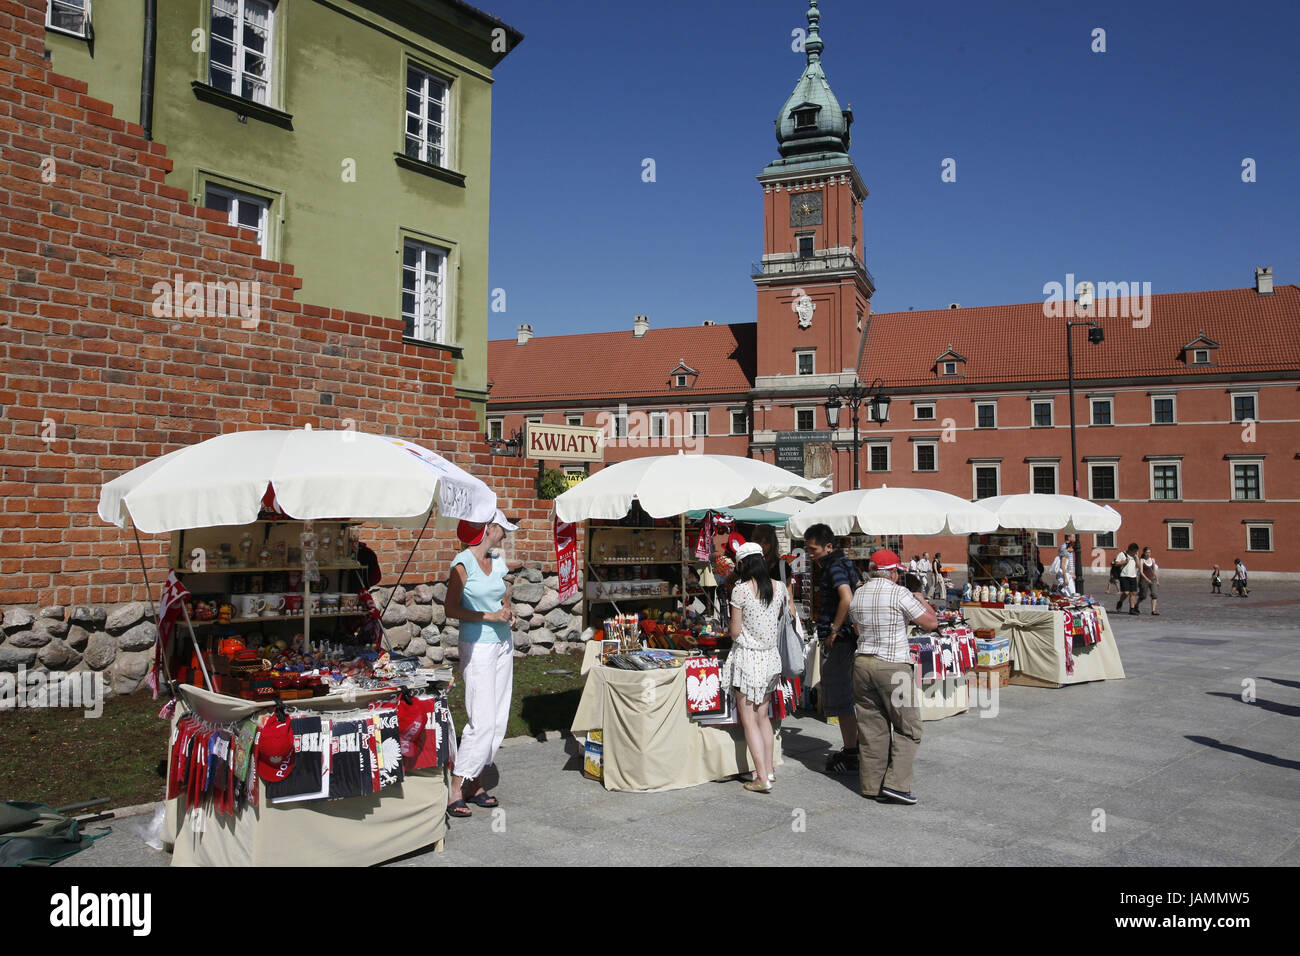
(1042, 654)
(359, 830)
(237, 505)
(640, 731)
(1055, 640)
(641, 735)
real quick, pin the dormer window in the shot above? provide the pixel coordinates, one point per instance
(1200, 350)
(951, 364)
(683, 376)
(805, 117)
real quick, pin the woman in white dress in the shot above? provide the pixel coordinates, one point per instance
(754, 664)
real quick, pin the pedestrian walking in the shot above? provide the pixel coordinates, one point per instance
(889, 723)
(1148, 579)
(478, 596)
(1128, 575)
(923, 568)
(1216, 582)
(940, 579)
(754, 665)
(1239, 579)
(838, 578)
(1115, 566)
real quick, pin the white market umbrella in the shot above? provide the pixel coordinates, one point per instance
(889, 511)
(1052, 513)
(668, 485)
(316, 474)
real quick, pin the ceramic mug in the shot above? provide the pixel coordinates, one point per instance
(249, 605)
(348, 602)
(275, 605)
(293, 604)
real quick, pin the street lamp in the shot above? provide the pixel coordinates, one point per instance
(505, 447)
(1096, 335)
(855, 396)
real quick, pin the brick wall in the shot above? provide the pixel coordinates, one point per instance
(95, 382)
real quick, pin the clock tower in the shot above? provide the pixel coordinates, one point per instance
(814, 291)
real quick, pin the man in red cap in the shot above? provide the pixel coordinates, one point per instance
(889, 734)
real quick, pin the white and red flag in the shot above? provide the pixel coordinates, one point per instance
(169, 612)
(566, 557)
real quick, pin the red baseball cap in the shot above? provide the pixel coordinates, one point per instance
(885, 560)
(470, 532)
(275, 749)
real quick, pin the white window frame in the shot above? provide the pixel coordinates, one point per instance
(918, 417)
(569, 420)
(744, 421)
(1197, 359)
(1092, 485)
(1040, 543)
(238, 50)
(430, 267)
(1178, 476)
(658, 425)
(1232, 406)
(1051, 412)
(1056, 475)
(1233, 464)
(534, 419)
(681, 380)
(73, 5)
(916, 457)
(1106, 545)
(1173, 408)
(811, 411)
(889, 457)
(426, 150)
(1092, 412)
(992, 405)
(949, 368)
(975, 478)
(1169, 536)
(812, 355)
(812, 246)
(237, 199)
(1272, 543)
(696, 431)
(496, 428)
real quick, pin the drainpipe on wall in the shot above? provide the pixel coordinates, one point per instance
(147, 66)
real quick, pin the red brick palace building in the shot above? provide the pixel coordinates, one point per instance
(1188, 418)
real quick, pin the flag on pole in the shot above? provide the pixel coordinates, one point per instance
(169, 611)
(566, 558)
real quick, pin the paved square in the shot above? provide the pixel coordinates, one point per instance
(1177, 766)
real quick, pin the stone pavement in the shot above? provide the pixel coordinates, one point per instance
(1177, 767)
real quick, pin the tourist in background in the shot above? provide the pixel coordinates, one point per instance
(1128, 576)
(1148, 579)
(1239, 579)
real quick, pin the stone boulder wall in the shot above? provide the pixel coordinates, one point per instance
(118, 640)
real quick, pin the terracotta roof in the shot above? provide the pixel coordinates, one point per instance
(621, 365)
(1017, 343)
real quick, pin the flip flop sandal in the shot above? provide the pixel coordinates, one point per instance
(485, 800)
(459, 810)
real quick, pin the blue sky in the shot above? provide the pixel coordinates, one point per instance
(1122, 165)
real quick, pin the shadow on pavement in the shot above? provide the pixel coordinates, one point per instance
(1272, 706)
(1252, 754)
(1282, 683)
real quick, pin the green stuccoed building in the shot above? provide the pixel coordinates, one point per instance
(354, 137)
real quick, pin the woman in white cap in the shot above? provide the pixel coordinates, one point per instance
(754, 664)
(478, 596)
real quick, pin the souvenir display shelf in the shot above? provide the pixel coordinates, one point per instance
(1003, 555)
(263, 566)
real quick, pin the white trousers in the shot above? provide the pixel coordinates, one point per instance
(488, 670)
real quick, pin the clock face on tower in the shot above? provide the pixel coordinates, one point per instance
(805, 209)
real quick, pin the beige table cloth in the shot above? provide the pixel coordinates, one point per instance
(360, 831)
(1038, 644)
(649, 741)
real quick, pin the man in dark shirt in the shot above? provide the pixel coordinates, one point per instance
(838, 579)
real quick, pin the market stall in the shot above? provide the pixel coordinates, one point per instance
(359, 817)
(652, 711)
(365, 733)
(1053, 639)
(867, 519)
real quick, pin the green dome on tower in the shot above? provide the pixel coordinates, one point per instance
(811, 127)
